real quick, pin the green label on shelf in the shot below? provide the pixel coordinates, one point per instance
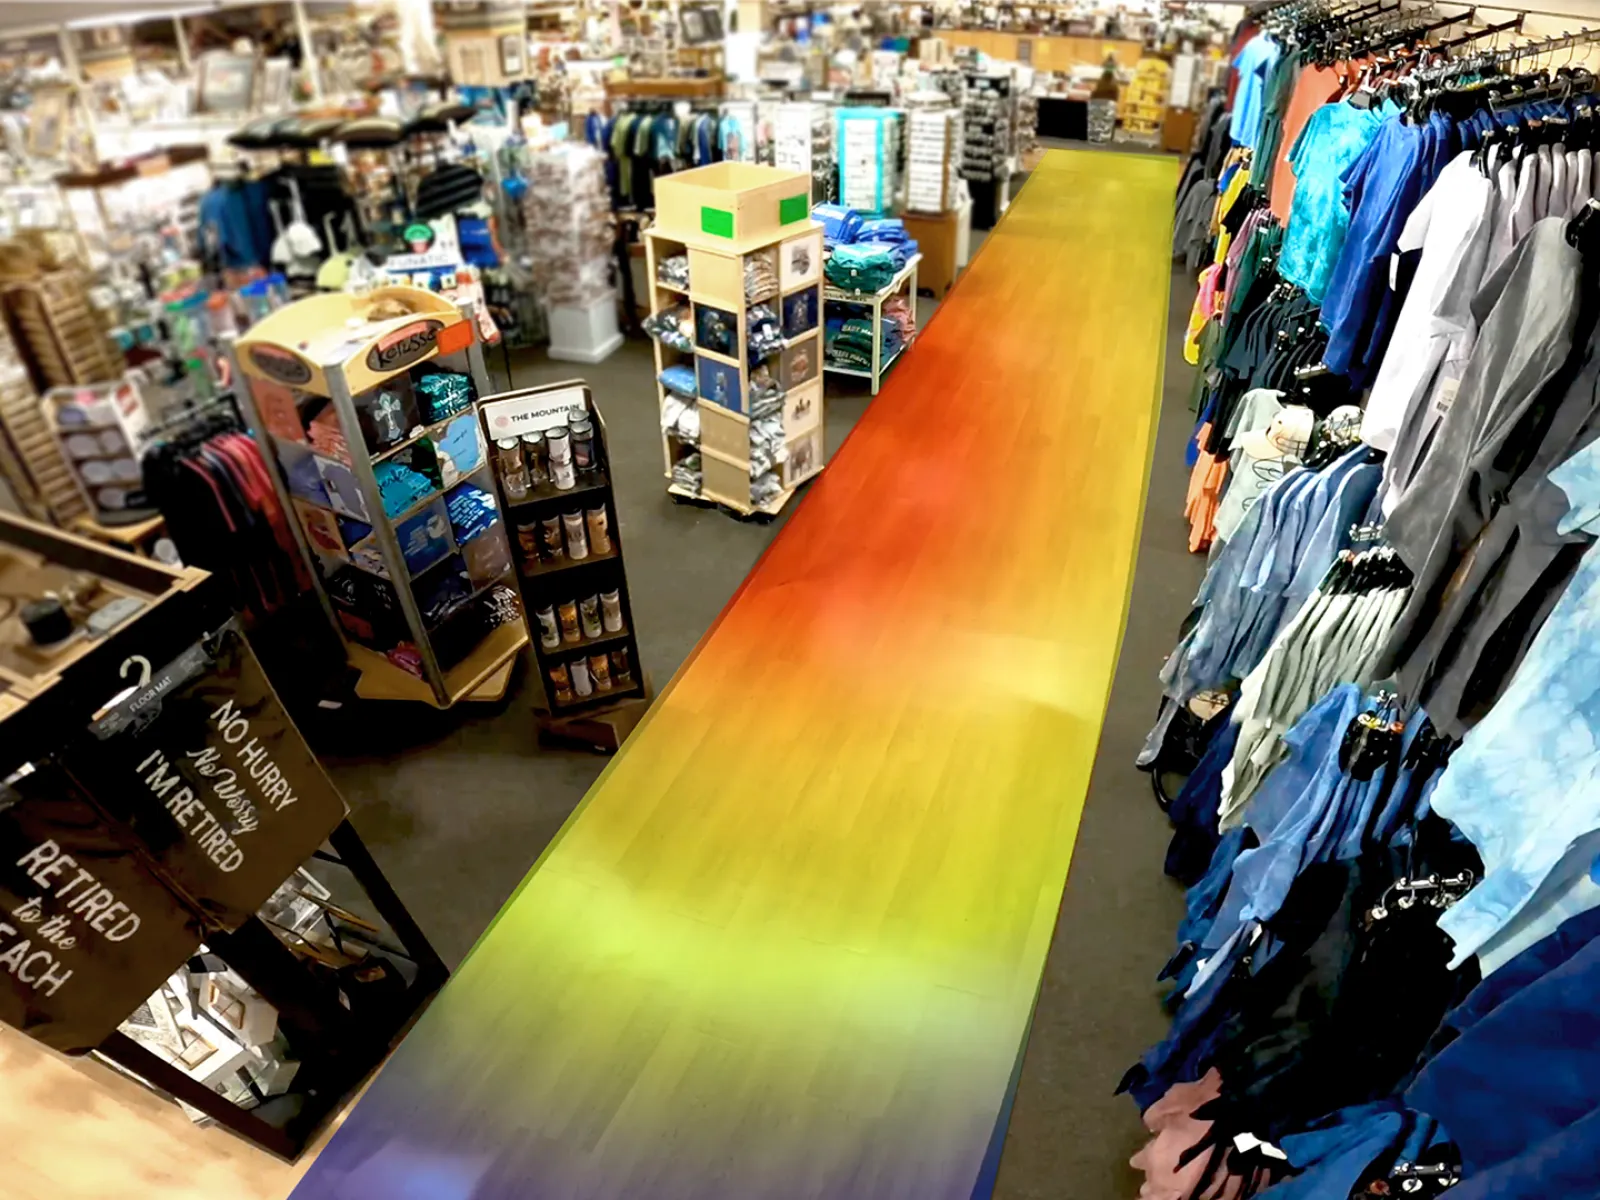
(718, 222)
(792, 209)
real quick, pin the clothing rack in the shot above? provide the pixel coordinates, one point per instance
(1392, 653)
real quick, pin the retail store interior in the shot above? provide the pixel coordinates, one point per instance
(679, 598)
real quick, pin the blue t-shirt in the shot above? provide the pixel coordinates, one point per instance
(1335, 136)
(1381, 189)
(1254, 64)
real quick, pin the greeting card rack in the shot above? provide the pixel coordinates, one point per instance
(735, 267)
(568, 559)
(366, 403)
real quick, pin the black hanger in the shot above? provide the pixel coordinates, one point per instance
(1583, 229)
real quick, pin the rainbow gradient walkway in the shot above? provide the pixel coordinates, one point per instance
(788, 945)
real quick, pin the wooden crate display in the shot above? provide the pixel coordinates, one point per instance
(59, 333)
(733, 204)
(42, 481)
(783, 259)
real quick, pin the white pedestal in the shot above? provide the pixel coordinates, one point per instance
(964, 234)
(588, 334)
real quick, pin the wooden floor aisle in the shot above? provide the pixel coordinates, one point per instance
(789, 943)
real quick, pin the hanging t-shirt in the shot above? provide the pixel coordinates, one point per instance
(1450, 227)
(1336, 136)
(1381, 189)
(1254, 64)
(1315, 87)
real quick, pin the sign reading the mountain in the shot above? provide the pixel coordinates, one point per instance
(398, 350)
(206, 768)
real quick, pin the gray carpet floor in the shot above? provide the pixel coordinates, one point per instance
(456, 806)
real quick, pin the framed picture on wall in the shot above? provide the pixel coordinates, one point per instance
(277, 84)
(226, 82)
(511, 54)
(48, 119)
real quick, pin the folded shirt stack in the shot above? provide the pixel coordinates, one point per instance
(674, 270)
(672, 327)
(839, 224)
(400, 486)
(681, 418)
(686, 473)
(765, 338)
(849, 342)
(760, 280)
(679, 380)
(327, 435)
(863, 267)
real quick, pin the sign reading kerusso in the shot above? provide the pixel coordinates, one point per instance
(403, 347)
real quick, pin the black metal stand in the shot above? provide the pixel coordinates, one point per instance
(338, 1047)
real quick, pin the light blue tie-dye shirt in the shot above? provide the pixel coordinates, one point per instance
(1332, 140)
(1525, 784)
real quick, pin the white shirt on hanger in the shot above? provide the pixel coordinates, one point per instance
(1450, 227)
(1560, 192)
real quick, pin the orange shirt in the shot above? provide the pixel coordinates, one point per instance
(1315, 87)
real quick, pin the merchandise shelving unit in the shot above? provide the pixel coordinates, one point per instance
(986, 119)
(331, 394)
(550, 582)
(723, 218)
(905, 281)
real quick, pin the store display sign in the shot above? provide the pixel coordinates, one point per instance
(204, 765)
(517, 415)
(280, 366)
(86, 931)
(398, 350)
(432, 244)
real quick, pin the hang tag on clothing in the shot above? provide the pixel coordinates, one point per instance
(1446, 396)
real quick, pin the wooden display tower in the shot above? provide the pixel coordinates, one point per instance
(723, 217)
(550, 583)
(331, 393)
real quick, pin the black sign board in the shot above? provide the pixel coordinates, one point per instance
(204, 766)
(87, 932)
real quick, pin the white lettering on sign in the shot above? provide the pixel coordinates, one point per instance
(274, 784)
(81, 895)
(189, 811)
(518, 415)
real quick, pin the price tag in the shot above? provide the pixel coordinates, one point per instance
(1446, 396)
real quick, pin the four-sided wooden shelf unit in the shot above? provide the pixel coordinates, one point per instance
(730, 219)
(391, 488)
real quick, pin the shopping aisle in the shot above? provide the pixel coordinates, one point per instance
(795, 932)
(1099, 1006)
